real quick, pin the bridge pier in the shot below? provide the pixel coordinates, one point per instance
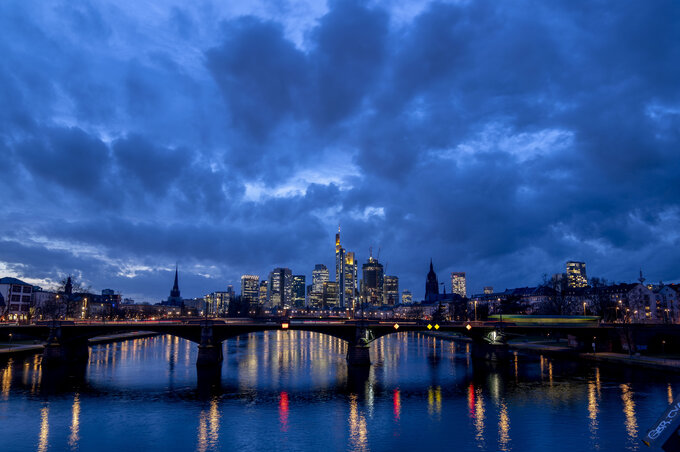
(209, 350)
(358, 355)
(209, 355)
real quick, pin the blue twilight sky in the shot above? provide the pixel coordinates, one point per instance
(499, 138)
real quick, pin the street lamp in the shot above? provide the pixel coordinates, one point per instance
(584, 308)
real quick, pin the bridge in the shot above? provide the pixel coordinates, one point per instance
(67, 341)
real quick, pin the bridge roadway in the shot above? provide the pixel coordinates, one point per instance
(67, 340)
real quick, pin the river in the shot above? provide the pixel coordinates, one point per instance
(292, 390)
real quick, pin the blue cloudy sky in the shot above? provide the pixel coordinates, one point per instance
(499, 138)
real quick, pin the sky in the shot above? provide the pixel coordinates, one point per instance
(496, 138)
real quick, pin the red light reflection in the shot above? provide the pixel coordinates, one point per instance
(471, 400)
(283, 411)
(396, 400)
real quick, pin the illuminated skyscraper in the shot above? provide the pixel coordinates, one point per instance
(280, 289)
(576, 274)
(372, 284)
(298, 290)
(406, 297)
(319, 276)
(458, 283)
(331, 294)
(431, 286)
(391, 290)
(250, 289)
(263, 293)
(345, 274)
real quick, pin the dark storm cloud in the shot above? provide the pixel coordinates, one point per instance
(499, 139)
(262, 75)
(66, 157)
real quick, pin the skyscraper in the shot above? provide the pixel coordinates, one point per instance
(250, 289)
(280, 289)
(406, 297)
(263, 293)
(576, 274)
(331, 294)
(458, 283)
(431, 286)
(391, 290)
(319, 276)
(345, 274)
(298, 290)
(372, 283)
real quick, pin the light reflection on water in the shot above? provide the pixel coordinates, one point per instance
(293, 390)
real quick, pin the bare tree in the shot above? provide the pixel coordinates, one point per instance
(557, 301)
(602, 303)
(72, 291)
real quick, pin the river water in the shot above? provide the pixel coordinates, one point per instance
(291, 390)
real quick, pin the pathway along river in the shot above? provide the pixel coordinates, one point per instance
(289, 390)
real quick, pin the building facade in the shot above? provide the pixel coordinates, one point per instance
(576, 274)
(458, 284)
(319, 276)
(331, 295)
(345, 274)
(250, 290)
(391, 290)
(264, 292)
(372, 283)
(298, 290)
(17, 299)
(280, 289)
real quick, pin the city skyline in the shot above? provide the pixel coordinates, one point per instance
(496, 139)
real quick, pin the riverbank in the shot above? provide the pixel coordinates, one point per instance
(561, 351)
(24, 348)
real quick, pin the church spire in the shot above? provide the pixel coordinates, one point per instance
(174, 293)
(431, 285)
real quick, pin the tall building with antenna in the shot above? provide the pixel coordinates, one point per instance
(345, 274)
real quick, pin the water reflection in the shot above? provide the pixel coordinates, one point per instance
(75, 423)
(396, 404)
(44, 429)
(283, 411)
(479, 418)
(401, 402)
(629, 412)
(434, 401)
(593, 410)
(7, 379)
(670, 394)
(209, 427)
(358, 433)
(503, 427)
